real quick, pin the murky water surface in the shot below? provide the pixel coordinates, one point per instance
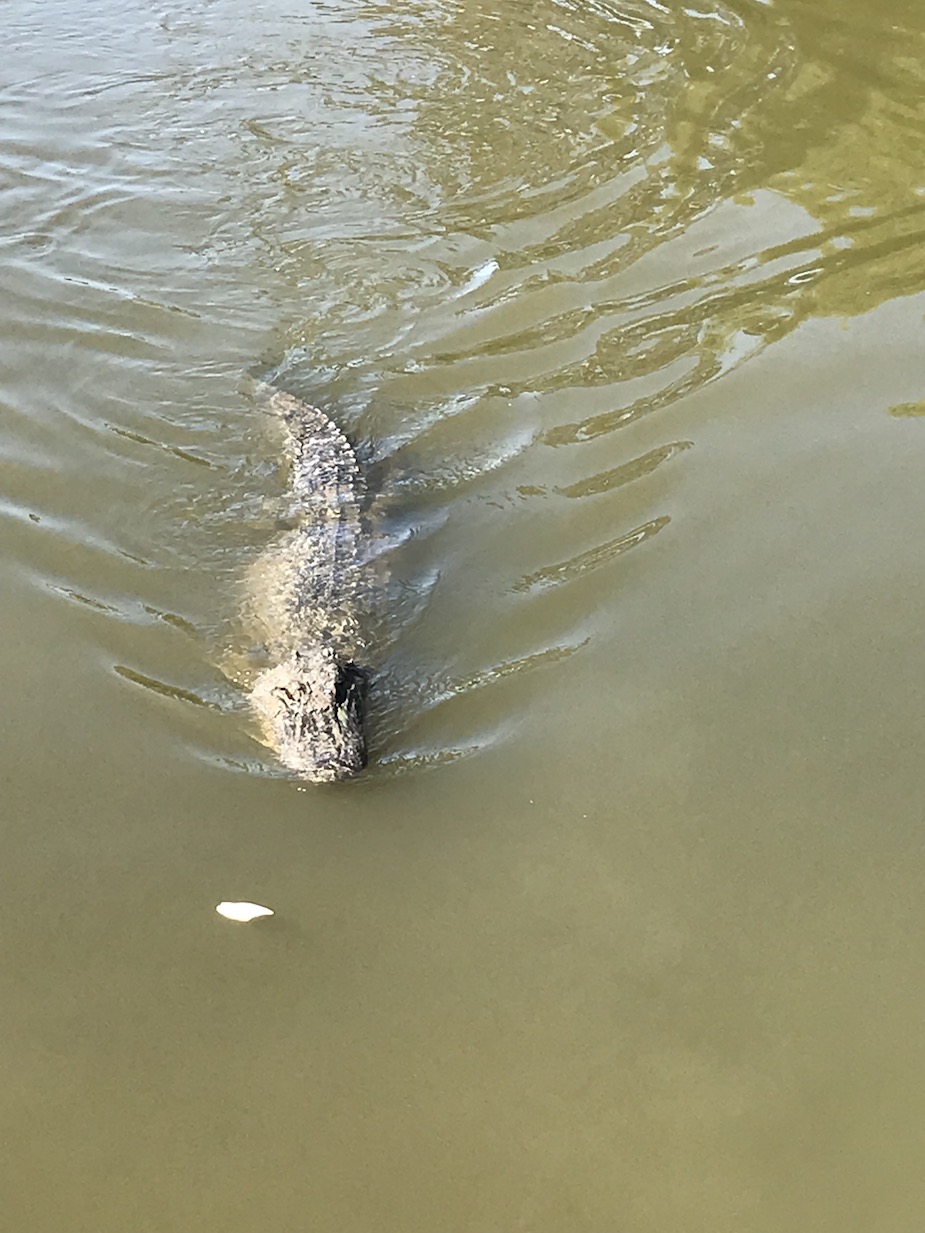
(623, 306)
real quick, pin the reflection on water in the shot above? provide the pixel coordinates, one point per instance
(620, 928)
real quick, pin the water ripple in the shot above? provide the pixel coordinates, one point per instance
(471, 234)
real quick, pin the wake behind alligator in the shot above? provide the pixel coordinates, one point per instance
(308, 591)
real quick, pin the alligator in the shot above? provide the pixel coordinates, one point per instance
(308, 591)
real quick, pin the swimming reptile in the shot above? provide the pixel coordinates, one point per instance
(308, 590)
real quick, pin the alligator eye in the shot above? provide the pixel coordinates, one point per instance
(351, 681)
(342, 688)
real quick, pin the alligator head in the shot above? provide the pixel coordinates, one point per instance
(312, 705)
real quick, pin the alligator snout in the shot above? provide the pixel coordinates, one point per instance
(313, 707)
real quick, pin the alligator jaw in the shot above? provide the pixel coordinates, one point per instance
(312, 707)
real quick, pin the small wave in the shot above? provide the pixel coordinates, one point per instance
(175, 692)
(583, 562)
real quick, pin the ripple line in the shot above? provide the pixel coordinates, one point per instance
(606, 481)
(176, 692)
(575, 567)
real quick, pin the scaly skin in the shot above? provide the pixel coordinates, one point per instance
(311, 700)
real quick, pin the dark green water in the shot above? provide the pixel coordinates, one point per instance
(622, 931)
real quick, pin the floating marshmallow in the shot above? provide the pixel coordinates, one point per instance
(241, 910)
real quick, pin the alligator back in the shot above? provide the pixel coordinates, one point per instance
(308, 590)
